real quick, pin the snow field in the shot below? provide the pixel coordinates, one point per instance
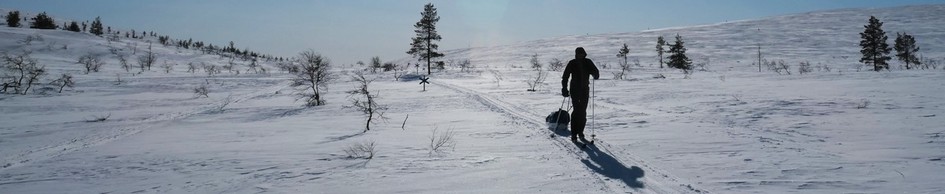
(730, 129)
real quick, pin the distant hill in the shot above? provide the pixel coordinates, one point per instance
(59, 52)
(821, 37)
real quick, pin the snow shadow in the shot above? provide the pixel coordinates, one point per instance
(561, 130)
(607, 165)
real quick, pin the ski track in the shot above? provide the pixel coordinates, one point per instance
(655, 180)
(122, 131)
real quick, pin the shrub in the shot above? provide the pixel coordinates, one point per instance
(804, 67)
(361, 150)
(202, 90)
(440, 141)
(465, 65)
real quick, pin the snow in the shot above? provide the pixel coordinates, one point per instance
(729, 129)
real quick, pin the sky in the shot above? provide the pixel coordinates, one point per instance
(347, 31)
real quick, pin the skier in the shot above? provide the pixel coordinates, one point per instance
(581, 68)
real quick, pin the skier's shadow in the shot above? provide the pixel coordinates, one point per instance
(607, 165)
(603, 163)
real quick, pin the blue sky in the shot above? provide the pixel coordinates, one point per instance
(351, 30)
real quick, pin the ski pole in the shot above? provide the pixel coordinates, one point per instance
(593, 113)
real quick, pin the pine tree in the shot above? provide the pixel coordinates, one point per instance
(97, 28)
(74, 26)
(875, 49)
(659, 49)
(622, 53)
(375, 64)
(13, 19)
(423, 46)
(906, 49)
(677, 57)
(43, 21)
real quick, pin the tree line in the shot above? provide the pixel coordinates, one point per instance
(96, 27)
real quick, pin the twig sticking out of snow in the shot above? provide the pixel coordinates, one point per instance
(900, 173)
(863, 104)
(100, 118)
(405, 123)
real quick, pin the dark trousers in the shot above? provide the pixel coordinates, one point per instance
(579, 115)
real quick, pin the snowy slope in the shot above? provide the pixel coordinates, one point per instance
(824, 37)
(733, 130)
(727, 130)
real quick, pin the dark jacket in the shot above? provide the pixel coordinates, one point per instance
(580, 68)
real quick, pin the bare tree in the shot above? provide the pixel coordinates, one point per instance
(779, 67)
(365, 101)
(147, 60)
(124, 62)
(624, 68)
(211, 69)
(253, 66)
(34, 75)
(313, 74)
(287, 67)
(64, 81)
(219, 108)
(536, 65)
(91, 62)
(23, 71)
(555, 64)
(398, 74)
(465, 65)
(535, 81)
(230, 65)
(496, 77)
(191, 67)
(167, 66)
